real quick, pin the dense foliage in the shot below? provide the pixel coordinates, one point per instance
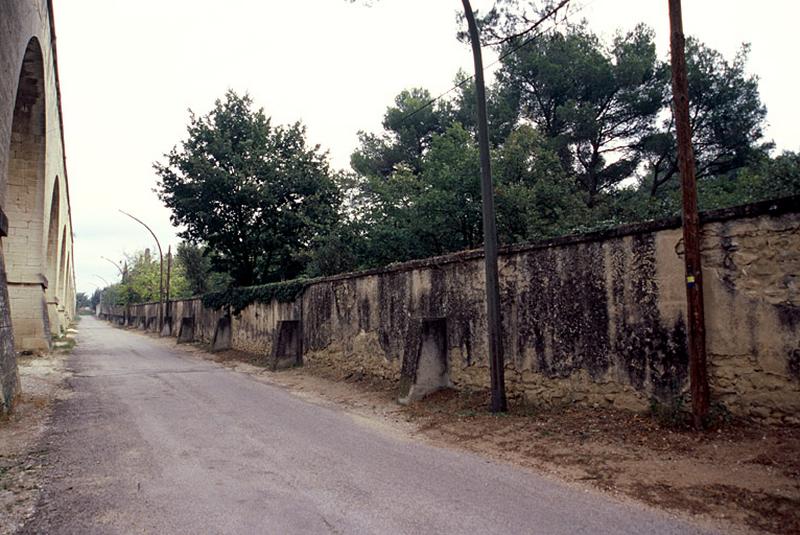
(82, 300)
(581, 137)
(200, 276)
(237, 299)
(256, 194)
(141, 281)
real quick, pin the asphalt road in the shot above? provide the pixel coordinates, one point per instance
(157, 441)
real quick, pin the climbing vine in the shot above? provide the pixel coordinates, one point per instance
(240, 298)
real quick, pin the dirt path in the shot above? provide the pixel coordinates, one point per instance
(23, 454)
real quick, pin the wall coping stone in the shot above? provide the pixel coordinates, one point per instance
(773, 207)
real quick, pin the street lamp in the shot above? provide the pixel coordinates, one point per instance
(115, 265)
(161, 271)
(103, 291)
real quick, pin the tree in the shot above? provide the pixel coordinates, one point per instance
(96, 296)
(726, 116)
(141, 281)
(535, 197)
(196, 265)
(82, 300)
(256, 194)
(409, 126)
(594, 103)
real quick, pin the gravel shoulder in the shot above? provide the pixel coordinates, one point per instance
(23, 448)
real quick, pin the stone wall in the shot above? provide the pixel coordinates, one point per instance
(596, 318)
(38, 288)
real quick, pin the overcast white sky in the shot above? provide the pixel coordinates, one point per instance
(130, 70)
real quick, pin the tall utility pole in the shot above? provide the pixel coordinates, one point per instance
(161, 271)
(494, 327)
(698, 374)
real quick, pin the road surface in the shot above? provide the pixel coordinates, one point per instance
(157, 441)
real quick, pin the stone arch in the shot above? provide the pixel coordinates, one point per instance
(25, 206)
(51, 259)
(61, 275)
(25, 178)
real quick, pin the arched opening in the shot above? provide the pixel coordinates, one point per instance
(51, 259)
(66, 292)
(25, 207)
(61, 276)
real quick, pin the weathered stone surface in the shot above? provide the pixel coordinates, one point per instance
(596, 319)
(38, 288)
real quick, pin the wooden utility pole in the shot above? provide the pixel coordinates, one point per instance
(494, 327)
(698, 373)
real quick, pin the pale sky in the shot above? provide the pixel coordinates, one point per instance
(130, 70)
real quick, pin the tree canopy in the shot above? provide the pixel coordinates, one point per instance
(141, 281)
(581, 138)
(256, 194)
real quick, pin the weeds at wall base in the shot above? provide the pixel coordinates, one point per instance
(677, 415)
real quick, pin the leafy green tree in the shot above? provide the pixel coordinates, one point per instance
(435, 210)
(339, 251)
(82, 300)
(96, 296)
(256, 194)
(726, 115)
(535, 197)
(409, 127)
(142, 281)
(502, 104)
(768, 178)
(438, 210)
(594, 103)
(196, 265)
(777, 177)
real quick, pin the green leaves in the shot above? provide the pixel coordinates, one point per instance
(237, 299)
(726, 114)
(256, 194)
(589, 99)
(142, 280)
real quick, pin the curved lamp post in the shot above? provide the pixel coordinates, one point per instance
(161, 271)
(115, 265)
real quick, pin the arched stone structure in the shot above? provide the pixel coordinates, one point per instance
(51, 261)
(61, 277)
(36, 279)
(24, 207)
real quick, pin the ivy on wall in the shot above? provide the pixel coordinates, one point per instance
(240, 298)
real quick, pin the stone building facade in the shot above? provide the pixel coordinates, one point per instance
(37, 280)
